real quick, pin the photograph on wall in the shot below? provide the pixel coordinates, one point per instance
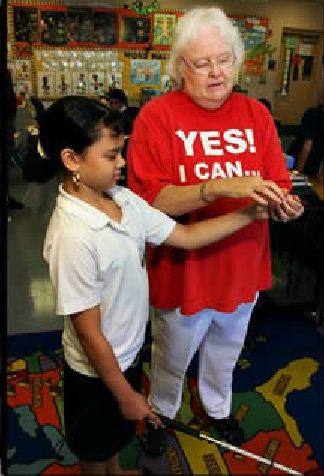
(163, 28)
(79, 25)
(96, 83)
(145, 72)
(45, 84)
(134, 29)
(105, 28)
(115, 80)
(53, 27)
(63, 83)
(80, 82)
(25, 24)
(23, 70)
(24, 87)
(254, 34)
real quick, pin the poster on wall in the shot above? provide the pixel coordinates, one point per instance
(63, 83)
(23, 70)
(25, 24)
(45, 84)
(53, 27)
(134, 29)
(96, 83)
(24, 87)
(145, 72)
(163, 28)
(80, 83)
(105, 28)
(79, 25)
(115, 80)
(253, 31)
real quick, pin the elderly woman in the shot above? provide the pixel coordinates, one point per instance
(200, 151)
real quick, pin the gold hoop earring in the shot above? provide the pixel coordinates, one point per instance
(76, 179)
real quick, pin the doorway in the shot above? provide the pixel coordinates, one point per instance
(299, 74)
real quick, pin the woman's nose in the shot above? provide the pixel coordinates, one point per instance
(215, 68)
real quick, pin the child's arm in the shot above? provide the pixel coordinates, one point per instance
(209, 231)
(132, 404)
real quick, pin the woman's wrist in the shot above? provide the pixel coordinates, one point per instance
(204, 193)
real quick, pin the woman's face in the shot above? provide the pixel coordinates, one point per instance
(208, 69)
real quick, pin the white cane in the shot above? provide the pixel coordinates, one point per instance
(169, 423)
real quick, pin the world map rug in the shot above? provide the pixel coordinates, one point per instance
(278, 394)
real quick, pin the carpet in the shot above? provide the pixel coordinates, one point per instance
(278, 394)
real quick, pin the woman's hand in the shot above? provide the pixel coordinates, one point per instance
(289, 209)
(263, 192)
(134, 406)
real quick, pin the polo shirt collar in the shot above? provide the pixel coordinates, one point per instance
(89, 214)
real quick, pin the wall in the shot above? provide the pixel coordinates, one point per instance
(307, 15)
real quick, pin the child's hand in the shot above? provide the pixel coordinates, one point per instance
(136, 407)
(261, 213)
(257, 212)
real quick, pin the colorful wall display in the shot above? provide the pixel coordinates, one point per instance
(79, 25)
(163, 28)
(105, 28)
(63, 83)
(145, 72)
(53, 27)
(85, 72)
(254, 31)
(88, 50)
(26, 24)
(96, 83)
(134, 29)
(46, 84)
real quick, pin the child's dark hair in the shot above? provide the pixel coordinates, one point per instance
(118, 94)
(75, 122)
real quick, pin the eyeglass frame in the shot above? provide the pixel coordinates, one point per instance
(212, 63)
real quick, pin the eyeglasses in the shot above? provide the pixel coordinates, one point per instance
(205, 65)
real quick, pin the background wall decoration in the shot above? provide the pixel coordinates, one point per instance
(76, 71)
(145, 72)
(130, 33)
(163, 28)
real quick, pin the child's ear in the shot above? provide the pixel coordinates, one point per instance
(70, 159)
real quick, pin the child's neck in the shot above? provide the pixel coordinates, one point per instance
(99, 200)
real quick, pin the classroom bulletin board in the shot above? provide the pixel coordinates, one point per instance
(56, 50)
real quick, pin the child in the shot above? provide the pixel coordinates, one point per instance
(95, 245)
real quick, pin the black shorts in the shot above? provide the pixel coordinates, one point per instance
(95, 430)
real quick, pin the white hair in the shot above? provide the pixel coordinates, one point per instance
(190, 26)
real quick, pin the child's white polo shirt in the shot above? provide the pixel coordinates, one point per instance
(95, 260)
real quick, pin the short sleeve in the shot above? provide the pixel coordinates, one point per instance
(157, 225)
(149, 161)
(74, 273)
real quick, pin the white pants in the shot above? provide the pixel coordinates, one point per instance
(219, 336)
